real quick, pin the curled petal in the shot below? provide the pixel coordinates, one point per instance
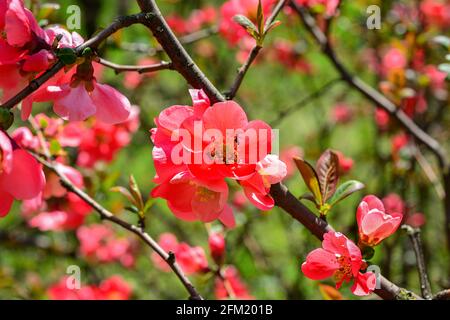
(112, 106)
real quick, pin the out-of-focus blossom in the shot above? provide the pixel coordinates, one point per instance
(230, 285)
(393, 203)
(436, 12)
(192, 260)
(133, 79)
(284, 52)
(287, 155)
(99, 243)
(382, 118)
(327, 6)
(345, 163)
(113, 288)
(217, 244)
(341, 113)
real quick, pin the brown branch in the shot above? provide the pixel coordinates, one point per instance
(242, 71)
(181, 60)
(94, 42)
(289, 203)
(380, 100)
(107, 215)
(119, 68)
(416, 241)
(442, 295)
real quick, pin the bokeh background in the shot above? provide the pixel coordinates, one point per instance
(266, 247)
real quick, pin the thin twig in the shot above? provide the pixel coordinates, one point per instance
(416, 241)
(305, 101)
(242, 71)
(119, 68)
(380, 100)
(429, 173)
(94, 42)
(107, 215)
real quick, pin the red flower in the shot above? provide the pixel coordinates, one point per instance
(374, 224)
(345, 163)
(231, 286)
(191, 259)
(21, 176)
(217, 244)
(341, 259)
(113, 288)
(342, 113)
(98, 243)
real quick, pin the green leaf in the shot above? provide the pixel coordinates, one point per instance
(67, 55)
(260, 18)
(124, 192)
(55, 147)
(244, 22)
(344, 190)
(327, 169)
(273, 25)
(307, 196)
(310, 177)
(136, 193)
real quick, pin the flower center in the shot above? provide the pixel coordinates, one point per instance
(204, 195)
(344, 271)
(225, 152)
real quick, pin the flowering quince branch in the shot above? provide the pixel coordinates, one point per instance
(107, 215)
(184, 40)
(94, 42)
(181, 60)
(118, 68)
(416, 241)
(381, 101)
(242, 71)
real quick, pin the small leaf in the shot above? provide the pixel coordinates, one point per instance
(273, 25)
(260, 18)
(344, 190)
(67, 55)
(244, 22)
(329, 292)
(150, 202)
(134, 189)
(310, 177)
(47, 9)
(124, 192)
(327, 169)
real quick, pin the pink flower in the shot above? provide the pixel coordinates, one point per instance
(113, 288)
(393, 203)
(416, 220)
(202, 200)
(345, 163)
(192, 260)
(374, 224)
(133, 80)
(231, 285)
(98, 243)
(436, 12)
(341, 259)
(287, 156)
(328, 6)
(382, 118)
(217, 244)
(21, 176)
(342, 113)
(394, 59)
(197, 147)
(270, 171)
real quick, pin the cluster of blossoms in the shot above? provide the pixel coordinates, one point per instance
(193, 260)
(198, 19)
(113, 288)
(197, 147)
(98, 243)
(27, 50)
(342, 259)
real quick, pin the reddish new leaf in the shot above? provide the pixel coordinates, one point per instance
(327, 171)
(310, 177)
